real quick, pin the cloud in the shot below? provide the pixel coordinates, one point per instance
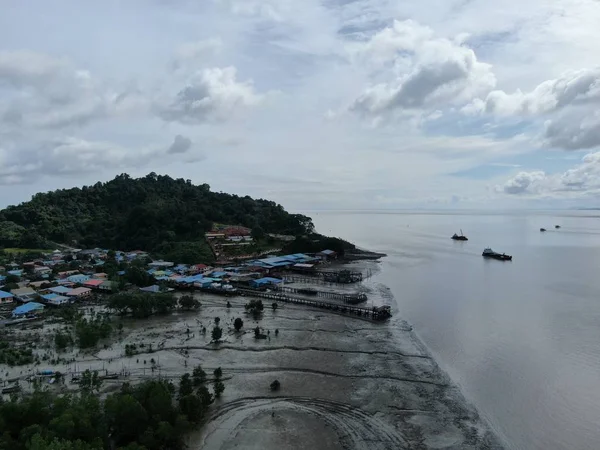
(212, 94)
(70, 156)
(424, 71)
(573, 131)
(193, 52)
(181, 144)
(581, 87)
(523, 181)
(47, 92)
(570, 102)
(580, 181)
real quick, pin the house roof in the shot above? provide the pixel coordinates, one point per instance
(4, 294)
(327, 252)
(93, 283)
(267, 280)
(23, 291)
(60, 290)
(78, 278)
(27, 307)
(78, 291)
(153, 288)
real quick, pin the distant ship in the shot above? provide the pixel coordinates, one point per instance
(462, 237)
(542, 229)
(557, 226)
(489, 253)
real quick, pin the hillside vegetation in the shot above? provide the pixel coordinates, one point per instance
(154, 213)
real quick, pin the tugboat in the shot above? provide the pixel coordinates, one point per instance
(542, 229)
(557, 226)
(462, 237)
(489, 253)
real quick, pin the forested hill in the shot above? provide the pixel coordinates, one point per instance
(144, 213)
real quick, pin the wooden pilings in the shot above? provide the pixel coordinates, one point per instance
(376, 313)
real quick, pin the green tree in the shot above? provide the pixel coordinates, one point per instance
(62, 340)
(218, 373)
(238, 324)
(274, 306)
(216, 333)
(10, 279)
(186, 386)
(188, 302)
(198, 376)
(219, 387)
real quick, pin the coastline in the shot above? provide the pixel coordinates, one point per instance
(346, 383)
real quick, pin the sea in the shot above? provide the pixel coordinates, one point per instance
(520, 338)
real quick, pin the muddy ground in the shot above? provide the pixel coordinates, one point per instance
(346, 382)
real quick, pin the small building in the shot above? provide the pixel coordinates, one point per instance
(37, 284)
(101, 275)
(6, 297)
(55, 299)
(25, 294)
(16, 273)
(154, 289)
(28, 309)
(109, 286)
(78, 279)
(327, 255)
(265, 282)
(93, 284)
(79, 292)
(161, 264)
(41, 270)
(214, 235)
(61, 290)
(67, 273)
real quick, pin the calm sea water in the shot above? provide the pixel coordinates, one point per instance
(521, 338)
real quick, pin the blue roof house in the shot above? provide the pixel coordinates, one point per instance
(78, 278)
(6, 297)
(27, 308)
(60, 290)
(265, 282)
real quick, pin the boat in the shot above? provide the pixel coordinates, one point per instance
(462, 237)
(557, 226)
(489, 253)
(542, 229)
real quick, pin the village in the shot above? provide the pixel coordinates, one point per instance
(69, 276)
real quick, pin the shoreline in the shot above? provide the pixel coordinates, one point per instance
(346, 383)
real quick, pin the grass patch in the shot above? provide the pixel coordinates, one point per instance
(27, 250)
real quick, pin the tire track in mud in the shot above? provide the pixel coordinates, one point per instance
(356, 429)
(334, 374)
(294, 348)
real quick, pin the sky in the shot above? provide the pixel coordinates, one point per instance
(315, 104)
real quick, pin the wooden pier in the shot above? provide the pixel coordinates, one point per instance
(325, 276)
(351, 299)
(376, 313)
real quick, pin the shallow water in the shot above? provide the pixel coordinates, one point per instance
(521, 338)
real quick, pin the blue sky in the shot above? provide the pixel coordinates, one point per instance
(315, 104)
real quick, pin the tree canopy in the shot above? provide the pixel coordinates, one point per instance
(155, 213)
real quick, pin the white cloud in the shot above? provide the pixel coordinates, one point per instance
(581, 181)
(72, 156)
(212, 94)
(579, 87)
(424, 71)
(190, 53)
(47, 92)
